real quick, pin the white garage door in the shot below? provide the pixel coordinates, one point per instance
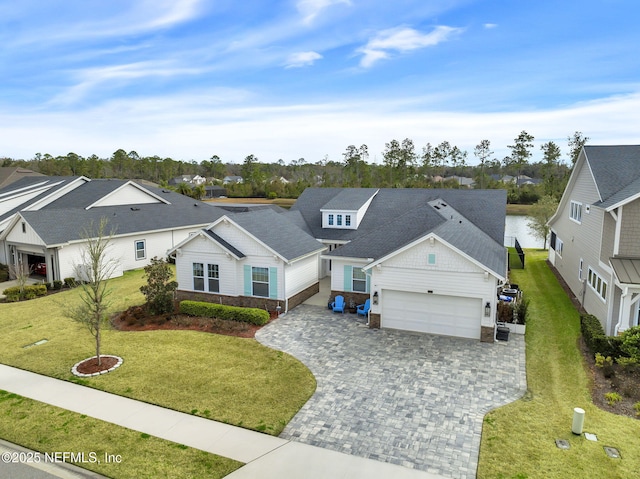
(432, 313)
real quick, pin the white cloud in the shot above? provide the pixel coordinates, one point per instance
(302, 59)
(489, 26)
(310, 9)
(402, 39)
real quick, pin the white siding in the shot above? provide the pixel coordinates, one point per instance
(30, 237)
(453, 275)
(127, 195)
(71, 256)
(301, 275)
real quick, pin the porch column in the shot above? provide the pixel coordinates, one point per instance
(628, 301)
(49, 262)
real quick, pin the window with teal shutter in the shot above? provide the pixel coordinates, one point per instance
(347, 277)
(247, 280)
(273, 282)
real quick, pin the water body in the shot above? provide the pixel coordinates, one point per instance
(516, 226)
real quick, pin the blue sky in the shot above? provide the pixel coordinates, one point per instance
(306, 78)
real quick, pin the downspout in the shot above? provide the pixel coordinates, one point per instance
(284, 287)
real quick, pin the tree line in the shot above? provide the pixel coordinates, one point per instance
(403, 165)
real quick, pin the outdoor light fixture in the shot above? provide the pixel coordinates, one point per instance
(375, 298)
(487, 309)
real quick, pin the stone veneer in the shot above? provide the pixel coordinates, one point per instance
(374, 320)
(487, 334)
(249, 301)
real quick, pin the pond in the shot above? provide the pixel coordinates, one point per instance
(516, 226)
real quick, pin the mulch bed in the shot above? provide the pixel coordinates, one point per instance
(90, 366)
(137, 319)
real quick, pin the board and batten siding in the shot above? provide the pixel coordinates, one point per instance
(582, 240)
(29, 237)
(127, 195)
(300, 275)
(202, 250)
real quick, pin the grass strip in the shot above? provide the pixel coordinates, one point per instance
(518, 440)
(118, 452)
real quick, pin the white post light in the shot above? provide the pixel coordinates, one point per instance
(578, 421)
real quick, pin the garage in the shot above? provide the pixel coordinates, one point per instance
(432, 313)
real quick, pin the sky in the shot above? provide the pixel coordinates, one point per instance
(189, 79)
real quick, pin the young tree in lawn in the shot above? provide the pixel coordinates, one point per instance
(160, 286)
(541, 212)
(94, 269)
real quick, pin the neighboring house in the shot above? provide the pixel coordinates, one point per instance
(50, 216)
(594, 234)
(11, 174)
(227, 180)
(430, 260)
(193, 180)
(462, 181)
(256, 258)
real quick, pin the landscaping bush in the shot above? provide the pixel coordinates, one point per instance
(28, 292)
(596, 340)
(220, 311)
(505, 312)
(4, 273)
(70, 282)
(57, 284)
(631, 342)
(521, 310)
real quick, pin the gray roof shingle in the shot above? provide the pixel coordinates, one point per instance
(616, 171)
(350, 199)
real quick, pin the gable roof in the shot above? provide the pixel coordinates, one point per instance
(225, 244)
(66, 219)
(616, 172)
(276, 232)
(350, 199)
(11, 174)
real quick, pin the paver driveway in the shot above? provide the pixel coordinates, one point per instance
(412, 399)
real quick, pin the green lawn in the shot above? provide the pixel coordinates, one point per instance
(234, 380)
(49, 429)
(518, 439)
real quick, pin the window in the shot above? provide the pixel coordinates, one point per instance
(347, 220)
(576, 211)
(339, 220)
(598, 284)
(580, 270)
(330, 220)
(431, 259)
(559, 245)
(359, 280)
(24, 227)
(198, 277)
(260, 282)
(141, 250)
(213, 275)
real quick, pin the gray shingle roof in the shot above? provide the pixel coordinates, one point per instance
(350, 199)
(396, 217)
(616, 171)
(66, 219)
(278, 233)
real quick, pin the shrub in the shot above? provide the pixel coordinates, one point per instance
(596, 340)
(606, 363)
(636, 406)
(57, 284)
(505, 312)
(30, 291)
(70, 283)
(160, 287)
(630, 364)
(631, 342)
(521, 309)
(220, 311)
(612, 398)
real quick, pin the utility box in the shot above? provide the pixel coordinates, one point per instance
(502, 333)
(578, 421)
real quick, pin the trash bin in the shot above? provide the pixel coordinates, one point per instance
(502, 333)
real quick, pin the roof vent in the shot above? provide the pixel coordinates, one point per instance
(195, 204)
(436, 207)
(135, 208)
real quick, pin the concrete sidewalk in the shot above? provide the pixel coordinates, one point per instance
(265, 456)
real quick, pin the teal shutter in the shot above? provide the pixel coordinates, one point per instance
(347, 277)
(368, 290)
(247, 280)
(273, 282)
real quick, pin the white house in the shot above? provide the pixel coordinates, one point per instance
(254, 258)
(594, 235)
(50, 218)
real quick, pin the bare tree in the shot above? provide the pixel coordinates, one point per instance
(93, 272)
(20, 273)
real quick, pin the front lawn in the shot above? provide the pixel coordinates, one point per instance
(233, 380)
(131, 454)
(518, 440)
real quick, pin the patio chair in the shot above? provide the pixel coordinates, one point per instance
(338, 304)
(363, 309)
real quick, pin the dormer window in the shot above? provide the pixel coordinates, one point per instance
(339, 218)
(330, 220)
(347, 220)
